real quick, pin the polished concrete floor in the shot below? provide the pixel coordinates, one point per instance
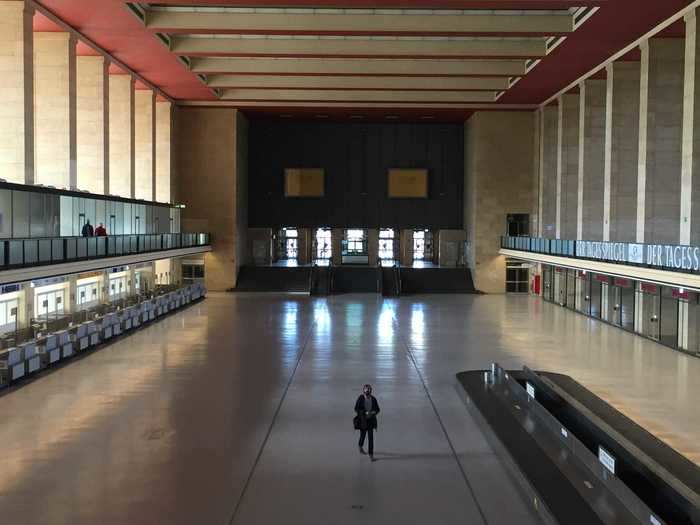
(238, 410)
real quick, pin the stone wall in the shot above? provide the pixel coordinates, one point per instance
(499, 184)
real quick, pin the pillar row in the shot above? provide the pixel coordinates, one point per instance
(569, 178)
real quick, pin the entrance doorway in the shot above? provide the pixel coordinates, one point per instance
(288, 245)
(422, 246)
(387, 246)
(323, 249)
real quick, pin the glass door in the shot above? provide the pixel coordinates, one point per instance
(387, 246)
(651, 309)
(547, 288)
(583, 292)
(322, 246)
(560, 285)
(571, 289)
(597, 283)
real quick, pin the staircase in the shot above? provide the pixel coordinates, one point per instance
(355, 279)
(436, 280)
(273, 279)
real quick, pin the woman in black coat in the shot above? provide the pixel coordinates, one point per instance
(366, 408)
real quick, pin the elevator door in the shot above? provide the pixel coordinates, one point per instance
(571, 289)
(650, 311)
(547, 288)
(668, 327)
(560, 286)
(596, 295)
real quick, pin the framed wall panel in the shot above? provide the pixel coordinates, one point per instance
(408, 184)
(304, 182)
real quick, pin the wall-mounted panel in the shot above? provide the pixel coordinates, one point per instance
(356, 158)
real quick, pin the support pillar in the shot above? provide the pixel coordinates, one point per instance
(163, 151)
(569, 177)
(549, 163)
(581, 158)
(16, 92)
(92, 127)
(607, 150)
(686, 193)
(560, 132)
(144, 104)
(54, 110)
(121, 117)
(643, 132)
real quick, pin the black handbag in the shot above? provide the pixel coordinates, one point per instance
(356, 423)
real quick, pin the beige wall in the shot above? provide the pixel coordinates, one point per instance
(16, 131)
(163, 151)
(211, 182)
(121, 88)
(144, 101)
(51, 109)
(496, 184)
(91, 135)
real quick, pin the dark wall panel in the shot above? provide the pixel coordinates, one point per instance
(356, 158)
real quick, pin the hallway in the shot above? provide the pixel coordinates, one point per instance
(252, 395)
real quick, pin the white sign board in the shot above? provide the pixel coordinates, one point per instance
(606, 459)
(530, 390)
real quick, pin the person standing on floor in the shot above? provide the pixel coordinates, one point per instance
(366, 408)
(87, 231)
(101, 231)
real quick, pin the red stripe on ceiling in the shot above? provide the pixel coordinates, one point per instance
(343, 88)
(112, 27)
(41, 24)
(397, 4)
(315, 55)
(615, 25)
(363, 75)
(351, 33)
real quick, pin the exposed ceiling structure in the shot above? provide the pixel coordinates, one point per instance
(415, 57)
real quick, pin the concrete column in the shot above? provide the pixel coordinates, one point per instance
(569, 177)
(540, 170)
(121, 117)
(624, 151)
(664, 139)
(643, 133)
(54, 140)
(549, 162)
(560, 132)
(16, 92)
(92, 129)
(581, 159)
(607, 150)
(163, 151)
(336, 245)
(406, 247)
(373, 246)
(687, 137)
(144, 104)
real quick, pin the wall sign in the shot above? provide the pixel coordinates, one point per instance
(659, 255)
(530, 389)
(606, 459)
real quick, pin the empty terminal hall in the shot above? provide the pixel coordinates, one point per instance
(350, 262)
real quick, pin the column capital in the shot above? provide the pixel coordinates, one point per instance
(689, 16)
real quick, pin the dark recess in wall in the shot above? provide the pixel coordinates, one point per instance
(356, 158)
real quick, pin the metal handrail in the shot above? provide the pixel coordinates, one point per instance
(37, 251)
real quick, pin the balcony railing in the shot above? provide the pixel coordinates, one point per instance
(560, 247)
(21, 253)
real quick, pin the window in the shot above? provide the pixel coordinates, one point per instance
(387, 245)
(324, 249)
(288, 244)
(87, 294)
(117, 286)
(8, 315)
(49, 304)
(355, 240)
(422, 245)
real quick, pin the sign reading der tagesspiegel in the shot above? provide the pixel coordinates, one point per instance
(660, 255)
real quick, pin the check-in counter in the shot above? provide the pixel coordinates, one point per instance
(81, 341)
(136, 314)
(13, 359)
(65, 343)
(48, 349)
(106, 326)
(117, 324)
(93, 332)
(31, 356)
